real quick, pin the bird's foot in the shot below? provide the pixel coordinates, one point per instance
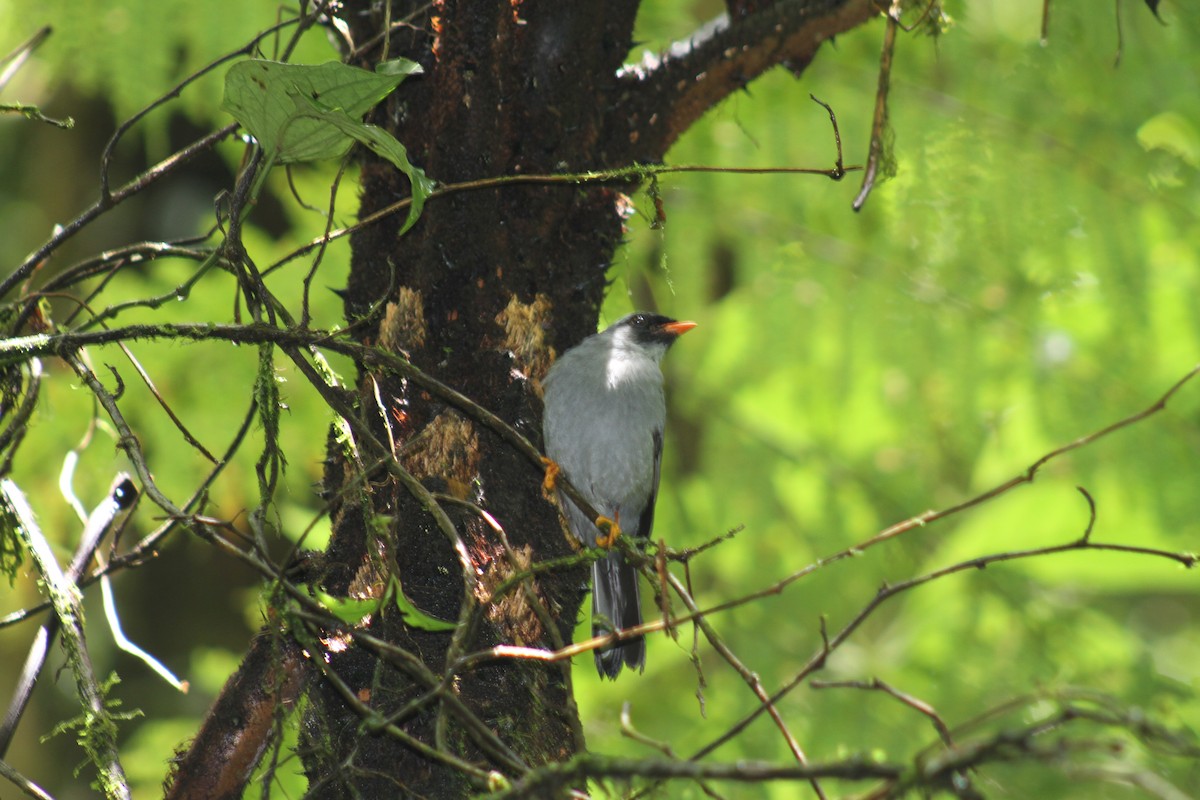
(551, 479)
(609, 529)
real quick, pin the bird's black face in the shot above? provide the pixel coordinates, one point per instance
(654, 329)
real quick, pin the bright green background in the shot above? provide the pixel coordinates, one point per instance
(1029, 277)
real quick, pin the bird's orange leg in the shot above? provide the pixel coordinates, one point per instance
(610, 529)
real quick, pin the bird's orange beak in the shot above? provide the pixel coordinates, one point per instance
(678, 328)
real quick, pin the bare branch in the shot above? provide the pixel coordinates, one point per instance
(1031, 472)
(28, 787)
(887, 592)
(879, 123)
(663, 97)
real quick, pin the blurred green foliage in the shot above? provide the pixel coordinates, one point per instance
(1028, 277)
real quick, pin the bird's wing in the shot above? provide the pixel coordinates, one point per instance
(646, 520)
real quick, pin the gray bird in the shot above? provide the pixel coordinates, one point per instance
(603, 427)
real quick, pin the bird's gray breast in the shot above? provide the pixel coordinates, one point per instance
(602, 412)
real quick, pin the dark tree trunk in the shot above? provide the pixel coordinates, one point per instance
(480, 294)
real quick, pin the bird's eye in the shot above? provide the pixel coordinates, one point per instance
(638, 319)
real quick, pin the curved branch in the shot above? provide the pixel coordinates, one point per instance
(663, 97)
(222, 757)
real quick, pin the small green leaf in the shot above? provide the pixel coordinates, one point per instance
(348, 610)
(354, 611)
(413, 616)
(400, 67)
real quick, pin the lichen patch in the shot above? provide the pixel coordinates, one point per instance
(403, 328)
(525, 327)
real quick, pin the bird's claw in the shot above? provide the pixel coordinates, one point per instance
(551, 479)
(609, 532)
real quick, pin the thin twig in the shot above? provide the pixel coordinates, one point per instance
(150, 176)
(839, 167)
(1031, 472)
(886, 592)
(622, 174)
(21, 53)
(915, 703)
(350, 697)
(749, 676)
(173, 93)
(524, 578)
(879, 124)
(27, 787)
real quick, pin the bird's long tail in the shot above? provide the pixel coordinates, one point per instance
(615, 605)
